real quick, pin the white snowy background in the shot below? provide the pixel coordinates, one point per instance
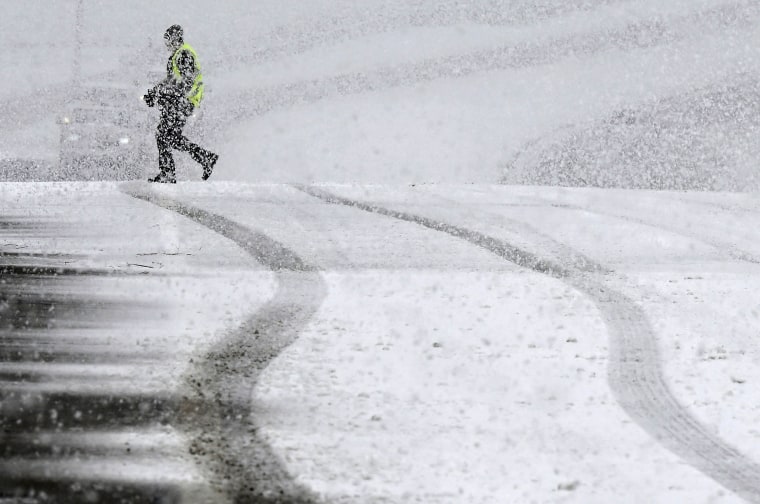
(623, 133)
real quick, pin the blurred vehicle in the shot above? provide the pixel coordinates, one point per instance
(106, 133)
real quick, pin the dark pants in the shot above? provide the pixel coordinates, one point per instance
(169, 136)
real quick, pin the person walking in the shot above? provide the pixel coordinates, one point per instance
(177, 96)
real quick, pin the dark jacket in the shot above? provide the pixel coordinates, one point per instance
(186, 66)
(172, 92)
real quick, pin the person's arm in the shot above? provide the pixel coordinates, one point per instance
(172, 86)
(187, 72)
(181, 85)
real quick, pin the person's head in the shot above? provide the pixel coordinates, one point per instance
(173, 37)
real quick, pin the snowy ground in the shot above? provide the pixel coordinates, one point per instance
(383, 294)
(430, 356)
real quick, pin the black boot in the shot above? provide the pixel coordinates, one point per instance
(208, 165)
(164, 178)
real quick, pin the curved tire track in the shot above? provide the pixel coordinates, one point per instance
(284, 40)
(635, 371)
(736, 207)
(729, 249)
(576, 260)
(220, 385)
(641, 34)
(288, 39)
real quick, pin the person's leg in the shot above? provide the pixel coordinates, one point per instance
(205, 158)
(198, 153)
(208, 167)
(168, 136)
(165, 160)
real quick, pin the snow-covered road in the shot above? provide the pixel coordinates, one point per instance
(446, 343)
(383, 294)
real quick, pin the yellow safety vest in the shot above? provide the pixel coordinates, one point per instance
(195, 95)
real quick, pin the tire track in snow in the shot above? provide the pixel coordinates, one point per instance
(729, 249)
(635, 371)
(735, 207)
(286, 40)
(225, 439)
(573, 258)
(641, 34)
(298, 37)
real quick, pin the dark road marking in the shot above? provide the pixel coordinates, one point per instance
(37, 406)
